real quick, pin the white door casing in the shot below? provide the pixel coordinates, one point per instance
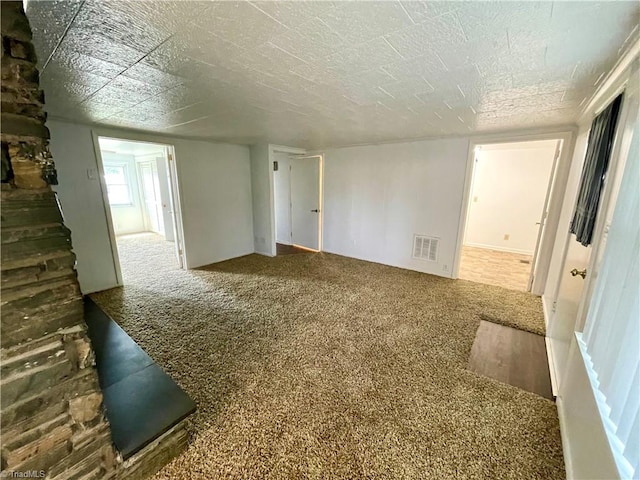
(543, 220)
(176, 207)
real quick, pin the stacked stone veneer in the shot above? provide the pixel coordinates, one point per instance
(52, 419)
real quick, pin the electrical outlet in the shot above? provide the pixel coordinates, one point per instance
(506, 236)
(445, 268)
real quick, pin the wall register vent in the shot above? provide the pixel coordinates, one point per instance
(425, 248)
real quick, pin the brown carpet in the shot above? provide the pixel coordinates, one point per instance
(320, 366)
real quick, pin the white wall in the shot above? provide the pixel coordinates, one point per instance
(377, 197)
(127, 218)
(282, 195)
(215, 192)
(262, 195)
(507, 198)
(80, 197)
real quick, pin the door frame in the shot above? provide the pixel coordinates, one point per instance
(543, 216)
(275, 206)
(96, 135)
(320, 157)
(557, 182)
(272, 150)
(176, 205)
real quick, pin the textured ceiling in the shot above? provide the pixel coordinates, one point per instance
(130, 148)
(312, 73)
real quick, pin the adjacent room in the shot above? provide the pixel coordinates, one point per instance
(297, 184)
(511, 186)
(307, 239)
(144, 222)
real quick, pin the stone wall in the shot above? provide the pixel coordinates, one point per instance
(51, 414)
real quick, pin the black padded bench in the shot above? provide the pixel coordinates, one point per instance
(141, 400)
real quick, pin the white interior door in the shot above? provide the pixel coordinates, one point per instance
(165, 197)
(563, 323)
(151, 196)
(574, 293)
(305, 202)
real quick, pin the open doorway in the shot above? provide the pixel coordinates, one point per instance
(140, 189)
(297, 202)
(509, 198)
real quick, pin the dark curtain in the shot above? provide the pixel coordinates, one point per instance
(603, 130)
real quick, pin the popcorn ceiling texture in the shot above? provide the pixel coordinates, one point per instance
(319, 74)
(320, 366)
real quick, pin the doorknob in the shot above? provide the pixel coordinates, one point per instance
(315, 211)
(575, 272)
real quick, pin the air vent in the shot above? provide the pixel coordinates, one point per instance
(425, 248)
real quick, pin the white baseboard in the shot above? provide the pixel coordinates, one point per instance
(546, 311)
(547, 341)
(499, 249)
(552, 367)
(566, 446)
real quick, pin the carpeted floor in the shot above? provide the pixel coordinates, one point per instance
(320, 366)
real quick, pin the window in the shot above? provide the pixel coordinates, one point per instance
(117, 180)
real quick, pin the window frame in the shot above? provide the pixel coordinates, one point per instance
(127, 183)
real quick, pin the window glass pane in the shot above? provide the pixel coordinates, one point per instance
(114, 175)
(119, 194)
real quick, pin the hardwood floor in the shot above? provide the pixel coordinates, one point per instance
(511, 356)
(491, 267)
(282, 249)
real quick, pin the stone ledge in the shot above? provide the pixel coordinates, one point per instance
(35, 261)
(23, 126)
(44, 270)
(65, 288)
(156, 455)
(83, 383)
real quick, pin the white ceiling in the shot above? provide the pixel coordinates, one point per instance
(127, 147)
(314, 73)
(535, 144)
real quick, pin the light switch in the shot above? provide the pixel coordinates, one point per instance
(92, 173)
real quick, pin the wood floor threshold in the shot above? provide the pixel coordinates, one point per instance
(511, 356)
(282, 249)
